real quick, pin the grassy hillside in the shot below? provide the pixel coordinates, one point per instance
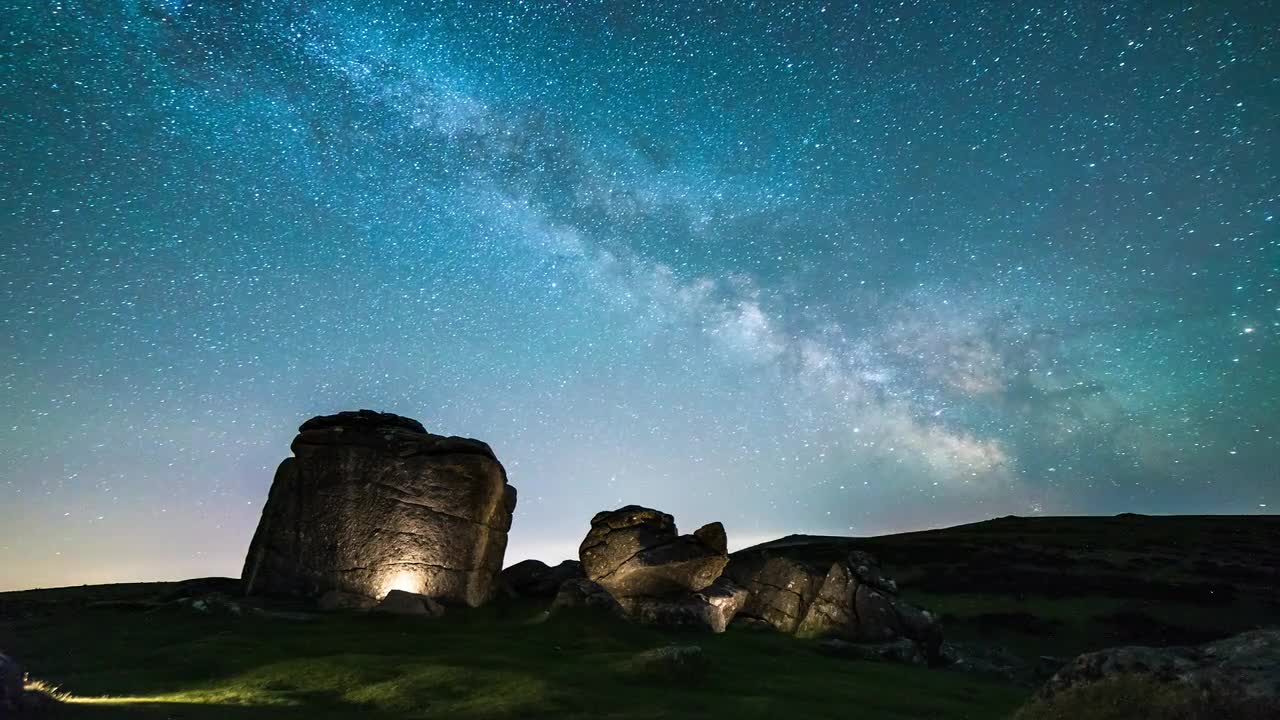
(1066, 585)
(489, 663)
(1037, 586)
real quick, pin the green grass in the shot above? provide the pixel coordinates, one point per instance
(490, 663)
(1067, 585)
(1037, 586)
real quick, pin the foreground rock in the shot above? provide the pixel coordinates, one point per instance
(581, 593)
(850, 600)
(711, 608)
(535, 579)
(371, 502)
(336, 600)
(11, 683)
(636, 552)
(898, 651)
(1244, 668)
(683, 663)
(211, 604)
(658, 576)
(399, 602)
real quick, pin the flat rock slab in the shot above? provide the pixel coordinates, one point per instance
(399, 602)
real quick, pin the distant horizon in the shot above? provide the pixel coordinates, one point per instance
(733, 546)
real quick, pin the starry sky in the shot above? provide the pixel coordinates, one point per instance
(825, 267)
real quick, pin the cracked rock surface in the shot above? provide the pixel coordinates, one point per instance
(658, 576)
(850, 600)
(371, 502)
(636, 552)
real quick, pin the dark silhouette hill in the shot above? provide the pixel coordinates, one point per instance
(1061, 585)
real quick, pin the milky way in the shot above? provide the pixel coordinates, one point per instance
(799, 267)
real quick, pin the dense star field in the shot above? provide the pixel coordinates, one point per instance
(839, 268)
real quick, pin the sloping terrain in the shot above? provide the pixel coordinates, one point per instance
(1064, 585)
(124, 660)
(1034, 586)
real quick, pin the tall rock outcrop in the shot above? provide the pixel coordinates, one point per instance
(371, 502)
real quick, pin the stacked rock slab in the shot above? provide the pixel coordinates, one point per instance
(636, 552)
(658, 576)
(371, 502)
(849, 599)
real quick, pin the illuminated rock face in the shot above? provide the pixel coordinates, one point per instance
(850, 599)
(656, 576)
(636, 551)
(371, 502)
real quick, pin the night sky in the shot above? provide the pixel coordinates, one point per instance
(831, 267)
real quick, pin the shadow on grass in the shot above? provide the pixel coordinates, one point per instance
(489, 663)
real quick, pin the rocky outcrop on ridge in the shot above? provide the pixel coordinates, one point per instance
(658, 576)
(850, 600)
(636, 552)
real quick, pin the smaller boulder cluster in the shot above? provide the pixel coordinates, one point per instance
(849, 599)
(657, 576)
(635, 564)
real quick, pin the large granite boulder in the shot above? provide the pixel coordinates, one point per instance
(371, 503)
(1244, 668)
(636, 552)
(535, 579)
(850, 599)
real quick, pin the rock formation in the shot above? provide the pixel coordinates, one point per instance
(371, 502)
(636, 552)
(10, 685)
(1242, 668)
(658, 576)
(581, 593)
(711, 608)
(849, 599)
